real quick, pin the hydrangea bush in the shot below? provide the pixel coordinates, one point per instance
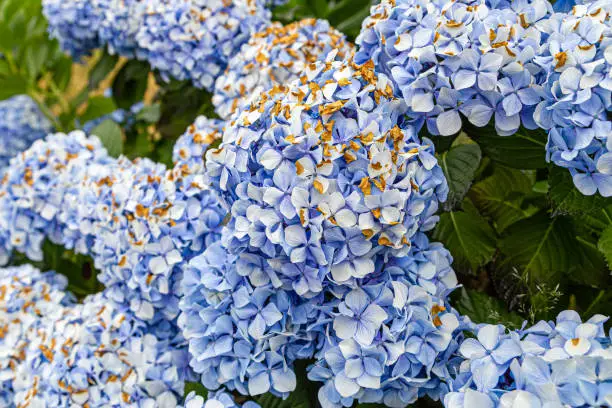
(244, 209)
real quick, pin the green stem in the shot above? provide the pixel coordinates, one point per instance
(594, 302)
(11, 63)
(46, 111)
(58, 94)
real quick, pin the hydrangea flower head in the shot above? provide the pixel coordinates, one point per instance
(326, 172)
(99, 354)
(194, 40)
(21, 123)
(452, 58)
(558, 363)
(27, 300)
(118, 29)
(275, 56)
(35, 187)
(241, 336)
(75, 24)
(387, 342)
(190, 149)
(577, 60)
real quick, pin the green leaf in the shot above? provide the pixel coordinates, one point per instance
(82, 277)
(150, 113)
(482, 308)
(101, 69)
(459, 165)
(501, 196)
(590, 269)
(319, 7)
(181, 103)
(541, 246)
(565, 197)
(4, 67)
(35, 56)
(526, 149)
(130, 84)
(62, 72)
(12, 85)
(197, 387)
(605, 244)
(111, 137)
(468, 236)
(97, 106)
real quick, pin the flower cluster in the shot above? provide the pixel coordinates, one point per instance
(330, 191)
(463, 57)
(21, 123)
(189, 150)
(194, 40)
(515, 62)
(74, 23)
(563, 363)
(275, 56)
(36, 188)
(577, 60)
(97, 354)
(138, 220)
(326, 173)
(27, 299)
(183, 39)
(120, 23)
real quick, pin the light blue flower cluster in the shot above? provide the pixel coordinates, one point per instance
(27, 299)
(464, 57)
(35, 189)
(97, 354)
(190, 149)
(551, 364)
(275, 56)
(194, 40)
(513, 62)
(330, 191)
(120, 23)
(215, 400)
(183, 39)
(138, 220)
(75, 24)
(326, 173)
(577, 60)
(21, 123)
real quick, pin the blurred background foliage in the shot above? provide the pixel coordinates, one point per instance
(526, 244)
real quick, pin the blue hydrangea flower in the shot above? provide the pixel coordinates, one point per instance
(138, 220)
(35, 188)
(190, 149)
(101, 355)
(447, 58)
(559, 363)
(21, 123)
(344, 166)
(27, 300)
(121, 22)
(75, 24)
(577, 61)
(194, 40)
(275, 56)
